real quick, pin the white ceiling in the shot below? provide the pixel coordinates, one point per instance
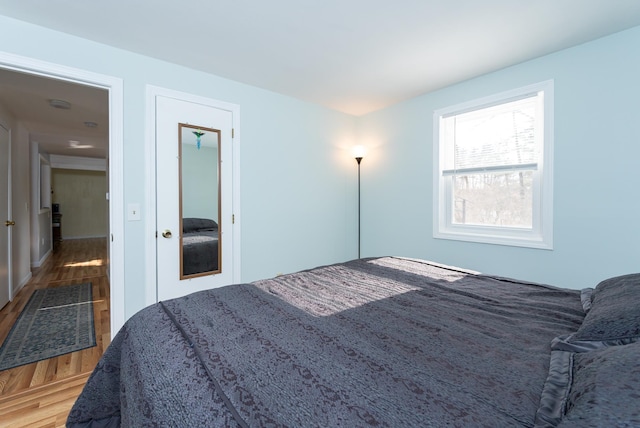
(354, 56)
(58, 131)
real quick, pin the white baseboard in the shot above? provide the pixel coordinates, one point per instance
(23, 282)
(42, 260)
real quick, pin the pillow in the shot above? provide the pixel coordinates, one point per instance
(191, 224)
(614, 312)
(586, 295)
(600, 388)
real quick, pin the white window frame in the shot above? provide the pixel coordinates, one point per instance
(540, 235)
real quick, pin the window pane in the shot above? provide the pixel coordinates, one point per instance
(493, 199)
(496, 135)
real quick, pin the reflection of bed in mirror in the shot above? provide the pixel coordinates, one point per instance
(199, 246)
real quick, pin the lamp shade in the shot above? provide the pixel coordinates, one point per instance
(359, 152)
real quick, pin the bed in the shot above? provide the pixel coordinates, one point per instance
(199, 245)
(383, 342)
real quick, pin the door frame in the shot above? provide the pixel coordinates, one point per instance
(152, 92)
(114, 86)
(10, 287)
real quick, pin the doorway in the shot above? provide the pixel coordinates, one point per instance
(114, 87)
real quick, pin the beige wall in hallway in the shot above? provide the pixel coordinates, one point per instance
(82, 199)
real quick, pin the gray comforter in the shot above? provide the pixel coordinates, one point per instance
(199, 252)
(373, 342)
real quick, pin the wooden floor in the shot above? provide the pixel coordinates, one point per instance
(41, 394)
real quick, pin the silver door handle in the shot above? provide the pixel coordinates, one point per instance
(166, 234)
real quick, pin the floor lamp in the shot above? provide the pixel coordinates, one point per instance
(358, 153)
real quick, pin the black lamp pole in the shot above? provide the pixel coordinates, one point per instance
(358, 159)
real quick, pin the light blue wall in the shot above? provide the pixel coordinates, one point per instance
(298, 184)
(596, 174)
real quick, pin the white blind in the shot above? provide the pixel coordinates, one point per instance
(495, 138)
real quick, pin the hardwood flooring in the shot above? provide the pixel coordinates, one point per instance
(41, 394)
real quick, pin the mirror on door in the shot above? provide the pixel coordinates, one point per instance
(199, 198)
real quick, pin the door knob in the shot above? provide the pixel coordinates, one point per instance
(166, 233)
(9, 223)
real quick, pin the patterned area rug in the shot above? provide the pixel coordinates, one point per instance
(55, 321)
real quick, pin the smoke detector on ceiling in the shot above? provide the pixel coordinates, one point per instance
(61, 104)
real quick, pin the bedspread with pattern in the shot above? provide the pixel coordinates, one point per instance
(385, 342)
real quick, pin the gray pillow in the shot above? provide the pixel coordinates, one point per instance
(192, 224)
(600, 388)
(614, 312)
(586, 296)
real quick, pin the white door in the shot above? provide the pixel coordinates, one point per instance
(5, 217)
(170, 114)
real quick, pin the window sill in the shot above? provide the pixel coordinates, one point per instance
(516, 240)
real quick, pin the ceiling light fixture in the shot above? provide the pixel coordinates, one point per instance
(61, 104)
(74, 144)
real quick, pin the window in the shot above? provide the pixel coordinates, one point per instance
(493, 169)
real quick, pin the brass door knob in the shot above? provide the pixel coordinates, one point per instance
(166, 234)
(9, 223)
